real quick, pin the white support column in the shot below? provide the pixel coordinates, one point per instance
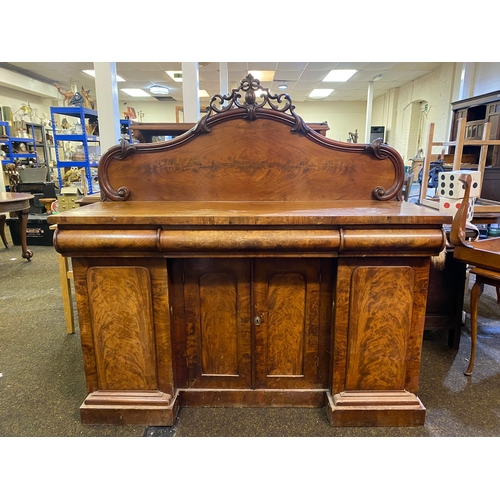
(224, 79)
(108, 107)
(190, 93)
(369, 103)
(467, 79)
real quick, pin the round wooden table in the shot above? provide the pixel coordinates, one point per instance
(19, 203)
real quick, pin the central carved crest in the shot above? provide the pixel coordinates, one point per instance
(251, 96)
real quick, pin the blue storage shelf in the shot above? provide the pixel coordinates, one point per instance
(83, 139)
(8, 142)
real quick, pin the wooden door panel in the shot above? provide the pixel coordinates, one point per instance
(379, 327)
(286, 324)
(217, 315)
(219, 324)
(286, 303)
(121, 308)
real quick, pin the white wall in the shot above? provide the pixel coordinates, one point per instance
(437, 89)
(154, 112)
(342, 117)
(487, 78)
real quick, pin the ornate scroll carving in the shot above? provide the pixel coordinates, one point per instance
(381, 152)
(255, 98)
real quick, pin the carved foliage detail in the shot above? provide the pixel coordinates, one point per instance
(255, 98)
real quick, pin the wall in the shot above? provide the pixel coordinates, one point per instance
(487, 78)
(154, 112)
(437, 89)
(342, 117)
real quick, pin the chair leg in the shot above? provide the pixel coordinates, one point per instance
(476, 292)
(3, 217)
(66, 293)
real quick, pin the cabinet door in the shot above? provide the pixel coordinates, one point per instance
(288, 331)
(217, 321)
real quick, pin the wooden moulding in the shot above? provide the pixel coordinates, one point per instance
(372, 408)
(306, 398)
(330, 241)
(129, 408)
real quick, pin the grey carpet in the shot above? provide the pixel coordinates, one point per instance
(42, 383)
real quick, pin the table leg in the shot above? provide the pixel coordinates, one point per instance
(23, 220)
(2, 229)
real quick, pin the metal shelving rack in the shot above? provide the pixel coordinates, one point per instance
(8, 141)
(85, 139)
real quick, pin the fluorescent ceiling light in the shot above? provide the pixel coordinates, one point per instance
(135, 92)
(340, 75)
(91, 72)
(175, 75)
(319, 93)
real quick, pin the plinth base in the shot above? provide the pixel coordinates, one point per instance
(129, 408)
(375, 409)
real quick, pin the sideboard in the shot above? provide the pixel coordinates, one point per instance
(251, 262)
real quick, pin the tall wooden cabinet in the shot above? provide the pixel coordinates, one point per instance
(251, 262)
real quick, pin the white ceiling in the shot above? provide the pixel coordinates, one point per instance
(301, 77)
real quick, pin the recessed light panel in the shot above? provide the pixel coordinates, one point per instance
(135, 92)
(340, 75)
(91, 72)
(319, 93)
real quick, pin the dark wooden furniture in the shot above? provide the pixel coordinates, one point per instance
(445, 298)
(483, 255)
(144, 132)
(478, 111)
(251, 262)
(19, 203)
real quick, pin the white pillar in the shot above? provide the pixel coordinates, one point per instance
(190, 93)
(108, 107)
(369, 103)
(467, 79)
(224, 79)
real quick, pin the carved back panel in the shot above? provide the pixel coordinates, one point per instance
(251, 149)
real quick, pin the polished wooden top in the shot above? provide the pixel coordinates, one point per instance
(338, 213)
(13, 197)
(13, 202)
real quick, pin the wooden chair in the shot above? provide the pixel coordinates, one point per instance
(482, 255)
(65, 277)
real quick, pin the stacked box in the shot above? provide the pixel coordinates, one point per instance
(451, 191)
(450, 187)
(451, 205)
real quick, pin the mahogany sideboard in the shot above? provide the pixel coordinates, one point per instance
(251, 262)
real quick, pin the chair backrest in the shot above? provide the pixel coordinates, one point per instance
(457, 233)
